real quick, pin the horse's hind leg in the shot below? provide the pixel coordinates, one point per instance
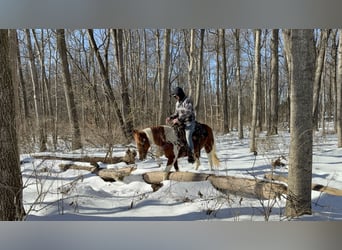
(197, 161)
(210, 159)
(209, 150)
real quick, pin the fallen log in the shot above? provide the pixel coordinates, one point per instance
(255, 188)
(314, 186)
(105, 174)
(128, 158)
(158, 176)
(115, 174)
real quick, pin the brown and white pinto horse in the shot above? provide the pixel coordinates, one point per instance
(165, 138)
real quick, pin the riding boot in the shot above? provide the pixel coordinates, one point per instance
(191, 158)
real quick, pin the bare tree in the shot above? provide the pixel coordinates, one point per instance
(165, 77)
(69, 93)
(199, 74)
(11, 182)
(127, 112)
(38, 105)
(22, 84)
(13, 46)
(238, 80)
(256, 88)
(300, 162)
(274, 82)
(224, 83)
(104, 72)
(339, 90)
(318, 74)
(192, 61)
(217, 82)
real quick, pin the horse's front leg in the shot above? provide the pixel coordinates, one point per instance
(171, 161)
(170, 153)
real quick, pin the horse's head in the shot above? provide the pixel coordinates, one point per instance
(142, 143)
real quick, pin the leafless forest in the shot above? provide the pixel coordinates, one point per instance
(94, 86)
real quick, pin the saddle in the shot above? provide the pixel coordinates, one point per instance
(199, 132)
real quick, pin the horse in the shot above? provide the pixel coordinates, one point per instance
(168, 143)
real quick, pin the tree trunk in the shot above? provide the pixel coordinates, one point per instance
(333, 52)
(46, 93)
(314, 186)
(339, 90)
(300, 162)
(238, 80)
(165, 81)
(274, 82)
(11, 207)
(22, 83)
(318, 75)
(191, 59)
(108, 88)
(217, 82)
(38, 106)
(69, 93)
(199, 75)
(13, 46)
(245, 187)
(256, 87)
(288, 61)
(126, 105)
(224, 83)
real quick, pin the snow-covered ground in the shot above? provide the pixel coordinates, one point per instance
(78, 195)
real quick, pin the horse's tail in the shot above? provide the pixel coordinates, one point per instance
(215, 160)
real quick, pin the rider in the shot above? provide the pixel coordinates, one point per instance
(185, 116)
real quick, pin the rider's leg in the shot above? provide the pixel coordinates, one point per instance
(189, 129)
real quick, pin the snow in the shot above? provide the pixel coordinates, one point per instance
(78, 195)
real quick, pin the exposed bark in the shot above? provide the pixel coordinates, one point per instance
(38, 106)
(300, 161)
(199, 81)
(256, 88)
(314, 186)
(217, 82)
(13, 46)
(158, 176)
(165, 78)
(46, 89)
(273, 130)
(288, 61)
(69, 93)
(227, 184)
(339, 91)
(238, 81)
(104, 72)
(318, 74)
(254, 188)
(191, 64)
(128, 158)
(126, 105)
(224, 83)
(106, 174)
(11, 181)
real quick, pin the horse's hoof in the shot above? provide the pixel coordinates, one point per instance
(191, 159)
